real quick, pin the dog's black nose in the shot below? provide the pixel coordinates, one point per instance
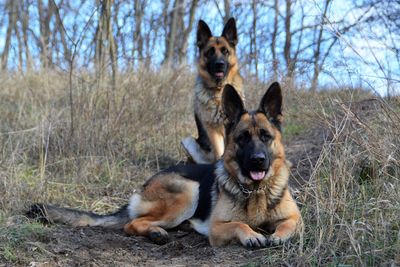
(258, 157)
(219, 64)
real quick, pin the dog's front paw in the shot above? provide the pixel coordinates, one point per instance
(274, 240)
(254, 240)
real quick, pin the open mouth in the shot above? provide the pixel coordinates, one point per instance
(257, 175)
(219, 74)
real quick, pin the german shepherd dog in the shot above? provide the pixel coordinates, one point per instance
(217, 67)
(241, 197)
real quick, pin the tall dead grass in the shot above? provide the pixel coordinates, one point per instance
(352, 203)
(119, 137)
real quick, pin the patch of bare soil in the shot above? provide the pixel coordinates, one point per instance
(303, 152)
(68, 246)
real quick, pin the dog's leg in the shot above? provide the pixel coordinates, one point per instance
(284, 231)
(165, 203)
(200, 149)
(147, 226)
(202, 139)
(216, 135)
(222, 233)
(289, 220)
(204, 149)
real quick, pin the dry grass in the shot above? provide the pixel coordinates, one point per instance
(119, 137)
(350, 204)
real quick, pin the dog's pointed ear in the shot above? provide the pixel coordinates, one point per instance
(271, 104)
(203, 34)
(230, 32)
(232, 104)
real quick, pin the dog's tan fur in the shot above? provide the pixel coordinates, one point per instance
(163, 204)
(270, 204)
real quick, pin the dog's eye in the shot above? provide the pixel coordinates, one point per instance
(210, 52)
(224, 51)
(243, 138)
(264, 136)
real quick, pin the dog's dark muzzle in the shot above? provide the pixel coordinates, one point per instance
(219, 69)
(258, 158)
(258, 165)
(220, 65)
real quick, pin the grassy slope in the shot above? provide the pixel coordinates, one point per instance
(350, 205)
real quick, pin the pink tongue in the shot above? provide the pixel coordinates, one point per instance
(219, 74)
(257, 176)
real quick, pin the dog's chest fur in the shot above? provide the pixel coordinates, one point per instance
(256, 208)
(207, 104)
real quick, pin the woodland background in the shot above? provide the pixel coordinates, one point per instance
(332, 43)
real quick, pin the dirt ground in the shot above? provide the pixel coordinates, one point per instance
(66, 246)
(96, 247)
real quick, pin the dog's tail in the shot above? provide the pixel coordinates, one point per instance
(53, 214)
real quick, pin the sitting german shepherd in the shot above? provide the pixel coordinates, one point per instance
(217, 66)
(232, 200)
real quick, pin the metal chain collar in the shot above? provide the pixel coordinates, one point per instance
(248, 192)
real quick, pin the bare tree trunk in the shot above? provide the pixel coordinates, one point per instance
(180, 29)
(12, 19)
(227, 8)
(172, 33)
(45, 15)
(99, 57)
(273, 41)
(166, 23)
(254, 37)
(317, 49)
(187, 31)
(60, 30)
(151, 41)
(19, 40)
(25, 21)
(288, 41)
(137, 36)
(111, 41)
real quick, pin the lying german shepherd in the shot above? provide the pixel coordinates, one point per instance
(217, 66)
(234, 199)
